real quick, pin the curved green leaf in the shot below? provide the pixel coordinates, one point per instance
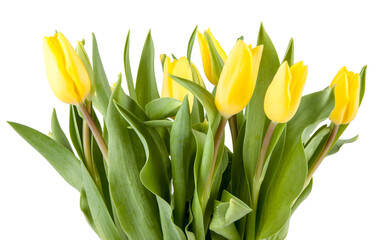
(154, 174)
(102, 88)
(105, 227)
(190, 44)
(162, 108)
(128, 70)
(146, 86)
(226, 212)
(205, 97)
(58, 134)
(289, 56)
(181, 148)
(256, 120)
(64, 161)
(136, 206)
(292, 170)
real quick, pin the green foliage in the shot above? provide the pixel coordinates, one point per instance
(168, 174)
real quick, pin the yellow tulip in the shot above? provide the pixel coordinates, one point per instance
(206, 57)
(66, 73)
(238, 78)
(179, 68)
(347, 92)
(284, 93)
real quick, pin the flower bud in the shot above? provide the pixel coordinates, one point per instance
(180, 68)
(284, 93)
(209, 68)
(238, 78)
(347, 91)
(66, 73)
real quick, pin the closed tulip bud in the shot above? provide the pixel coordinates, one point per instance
(209, 70)
(284, 93)
(347, 91)
(179, 68)
(66, 73)
(238, 78)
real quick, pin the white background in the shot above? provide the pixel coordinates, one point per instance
(36, 203)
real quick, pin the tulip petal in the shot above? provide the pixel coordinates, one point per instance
(205, 57)
(354, 94)
(56, 74)
(236, 84)
(75, 68)
(278, 96)
(342, 98)
(299, 74)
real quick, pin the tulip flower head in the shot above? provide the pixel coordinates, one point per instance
(347, 92)
(238, 78)
(180, 68)
(66, 73)
(209, 68)
(284, 93)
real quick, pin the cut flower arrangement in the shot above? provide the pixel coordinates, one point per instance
(156, 166)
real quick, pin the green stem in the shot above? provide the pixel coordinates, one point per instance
(95, 131)
(258, 178)
(323, 154)
(87, 146)
(217, 141)
(233, 129)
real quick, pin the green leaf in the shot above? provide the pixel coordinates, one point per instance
(302, 196)
(197, 114)
(318, 139)
(181, 148)
(135, 205)
(289, 56)
(64, 161)
(190, 44)
(146, 86)
(216, 61)
(205, 97)
(256, 120)
(75, 129)
(128, 70)
(292, 170)
(226, 212)
(102, 219)
(362, 75)
(162, 108)
(340, 142)
(196, 209)
(85, 209)
(58, 134)
(154, 174)
(87, 64)
(158, 123)
(102, 88)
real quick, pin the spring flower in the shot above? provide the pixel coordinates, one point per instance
(347, 92)
(66, 73)
(209, 68)
(238, 78)
(284, 93)
(180, 68)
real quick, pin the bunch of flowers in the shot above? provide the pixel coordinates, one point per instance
(157, 167)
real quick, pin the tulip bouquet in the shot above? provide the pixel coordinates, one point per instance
(157, 167)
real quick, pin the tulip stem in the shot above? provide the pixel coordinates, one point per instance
(87, 145)
(95, 131)
(233, 128)
(323, 154)
(258, 178)
(217, 141)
